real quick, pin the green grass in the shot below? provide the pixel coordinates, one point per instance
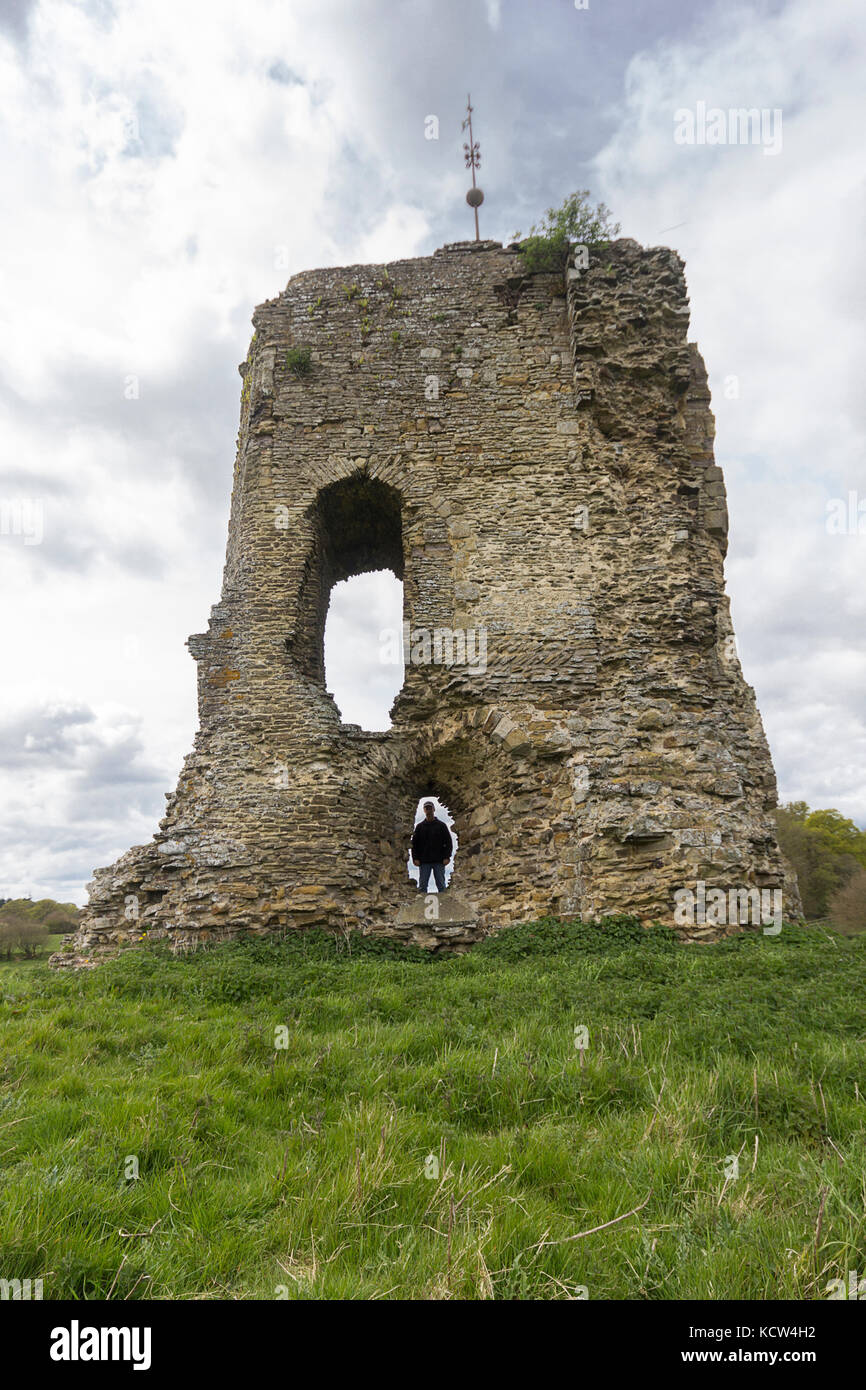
(300, 1171)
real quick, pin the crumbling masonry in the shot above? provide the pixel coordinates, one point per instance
(533, 456)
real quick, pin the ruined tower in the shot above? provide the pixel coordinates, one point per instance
(532, 454)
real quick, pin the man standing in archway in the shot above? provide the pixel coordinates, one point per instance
(432, 847)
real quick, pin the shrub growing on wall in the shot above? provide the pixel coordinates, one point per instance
(549, 242)
(299, 361)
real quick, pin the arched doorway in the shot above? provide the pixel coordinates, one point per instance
(441, 812)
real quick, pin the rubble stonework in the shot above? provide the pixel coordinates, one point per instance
(532, 455)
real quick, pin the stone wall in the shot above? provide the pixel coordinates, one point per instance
(533, 456)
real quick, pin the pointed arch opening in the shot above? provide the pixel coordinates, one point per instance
(353, 586)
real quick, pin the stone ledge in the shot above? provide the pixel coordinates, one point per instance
(454, 928)
(450, 911)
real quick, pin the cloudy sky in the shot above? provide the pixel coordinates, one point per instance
(168, 164)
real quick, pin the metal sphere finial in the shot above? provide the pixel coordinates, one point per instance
(472, 152)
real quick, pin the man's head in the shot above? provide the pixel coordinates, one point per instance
(428, 809)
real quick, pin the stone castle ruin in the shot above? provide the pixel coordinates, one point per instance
(532, 455)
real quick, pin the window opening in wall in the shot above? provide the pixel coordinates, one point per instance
(363, 651)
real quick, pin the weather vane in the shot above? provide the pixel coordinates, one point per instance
(474, 197)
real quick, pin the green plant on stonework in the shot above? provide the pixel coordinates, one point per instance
(395, 337)
(299, 361)
(350, 291)
(549, 242)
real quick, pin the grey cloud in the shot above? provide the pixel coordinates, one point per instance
(72, 543)
(23, 482)
(282, 73)
(15, 18)
(109, 791)
(182, 426)
(544, 89)
(159, 124)
(70, 737)
(42, 736)
(53, 861)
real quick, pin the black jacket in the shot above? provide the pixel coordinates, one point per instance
(431, 842)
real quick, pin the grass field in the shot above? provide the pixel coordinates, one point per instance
(303, 1170)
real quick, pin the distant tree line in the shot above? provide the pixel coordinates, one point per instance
(828, 852)
(25, 926)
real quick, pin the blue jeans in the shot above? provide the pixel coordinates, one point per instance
(424, 876)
